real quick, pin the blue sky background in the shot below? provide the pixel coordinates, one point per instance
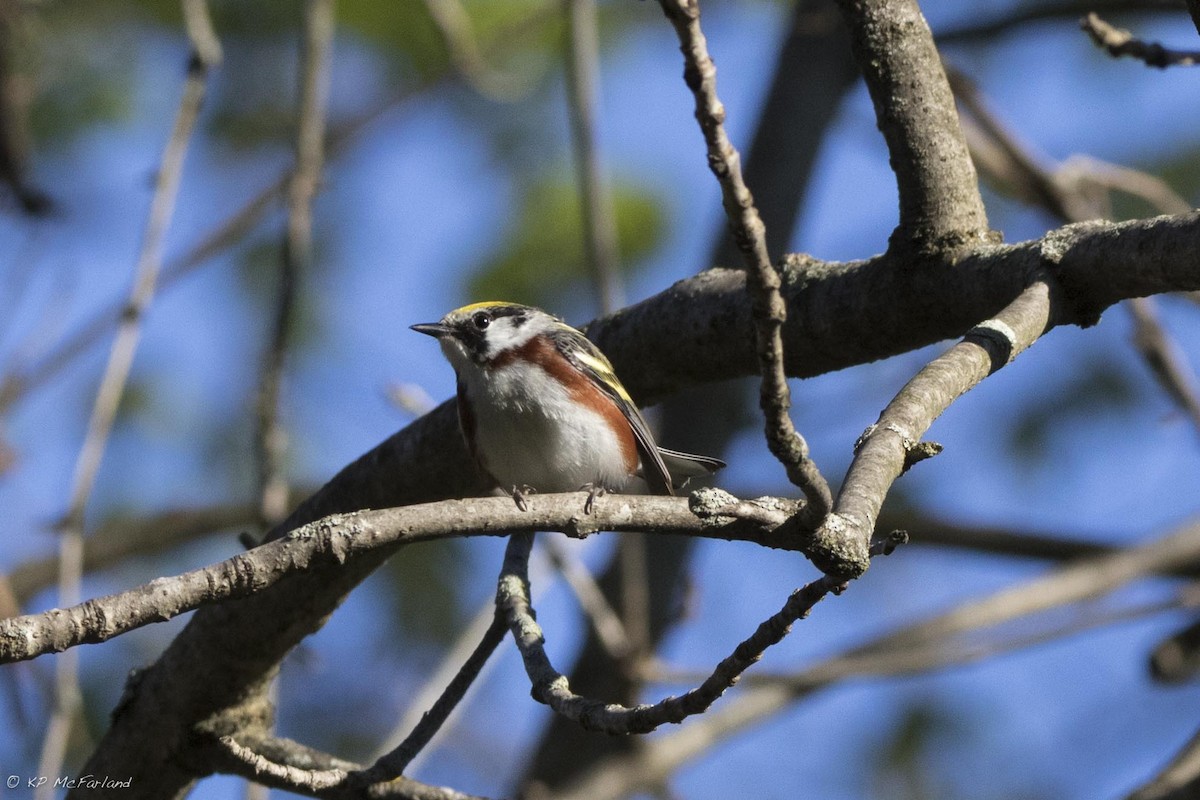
(416, 205)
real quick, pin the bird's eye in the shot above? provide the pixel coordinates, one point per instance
(481, 320)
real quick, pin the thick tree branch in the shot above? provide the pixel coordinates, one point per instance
(882, 453)
(338, 541)
(941, 210)
(840, 314)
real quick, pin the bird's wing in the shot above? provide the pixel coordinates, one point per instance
(587, 358)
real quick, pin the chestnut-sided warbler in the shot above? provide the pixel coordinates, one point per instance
(541, 408)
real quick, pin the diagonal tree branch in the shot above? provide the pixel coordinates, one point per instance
(284, 764)
(882, 452)
(342, 541)
(1118, 42)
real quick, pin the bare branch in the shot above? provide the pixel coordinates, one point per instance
(454, 25)
(915, 647)
(395, 762)
(1164, 358)
(1023, 15)
(599, 218)
(842, 314)
(1120, 42)
(17, 384)
(281, 776)
(284, 764)
(941, 210)
(1079, 190)
(296, 258)
(882, 452)
(551, 687)
(341, 539)
(762, 279)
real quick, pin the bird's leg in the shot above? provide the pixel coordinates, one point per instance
(594, 491)
(519, 495)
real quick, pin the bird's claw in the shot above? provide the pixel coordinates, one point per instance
(520, 496)
(594, 492)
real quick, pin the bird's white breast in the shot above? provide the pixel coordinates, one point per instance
(530, 432)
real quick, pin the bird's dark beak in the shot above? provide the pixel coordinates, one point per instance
(435, 329)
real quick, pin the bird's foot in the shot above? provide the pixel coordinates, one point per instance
(520, 495)
(594, 491)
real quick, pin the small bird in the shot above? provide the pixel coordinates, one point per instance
(542, 410)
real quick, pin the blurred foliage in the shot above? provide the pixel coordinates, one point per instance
(258, 270)
(1097, 388)
(920, 758)
(425, 585)
(543, 254)
(82, 62)
(903, 768)
(1181, 170)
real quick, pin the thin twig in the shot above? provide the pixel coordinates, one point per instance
(296, 260)
(762, 279)
(439, 679)
(1165, 358)
(270, 442)
(1118, 42)
(603, 260)
(599, 221)
(282, 775)
(952, 651)
(551, 687)
(205, 55)
(284, 764)
(118, 539)
(454, 24)
(394, 763)
(982, 30)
